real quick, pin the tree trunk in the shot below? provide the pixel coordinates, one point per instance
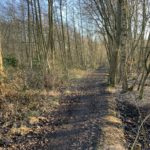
(113, 68)
(1, 60)
(123, 46)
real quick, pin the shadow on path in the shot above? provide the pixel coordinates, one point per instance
(77, 123)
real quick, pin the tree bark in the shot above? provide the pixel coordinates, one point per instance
(123, 46)
(1, 60)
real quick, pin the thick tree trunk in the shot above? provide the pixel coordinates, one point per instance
(113, 68)
(123, 47)
(143, 84)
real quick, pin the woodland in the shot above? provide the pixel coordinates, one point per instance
(75, 74)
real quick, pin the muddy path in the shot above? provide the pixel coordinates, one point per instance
(79, 121)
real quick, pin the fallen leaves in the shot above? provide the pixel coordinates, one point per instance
(35, 120)
(23, 130)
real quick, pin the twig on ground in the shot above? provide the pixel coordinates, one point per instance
(138, 133)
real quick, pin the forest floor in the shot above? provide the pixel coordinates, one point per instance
(85, 118)
(86, 114)
(133, 111)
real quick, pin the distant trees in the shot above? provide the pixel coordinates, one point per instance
(48, 36)
(108, 19)
(113, 20)
(123, 25)
(55, 35)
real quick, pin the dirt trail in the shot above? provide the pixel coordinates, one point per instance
(82, 115)
(85, 120)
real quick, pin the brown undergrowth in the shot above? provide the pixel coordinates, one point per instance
(25, 101)
(21, 105)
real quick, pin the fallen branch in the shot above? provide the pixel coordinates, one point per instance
(145, 119)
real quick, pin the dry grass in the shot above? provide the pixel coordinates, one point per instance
(20, 108)
(35, 120)
(23, 130)
(23, 108)
(112, 136)
(112, 119)
(111, 89)
(77, 73)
